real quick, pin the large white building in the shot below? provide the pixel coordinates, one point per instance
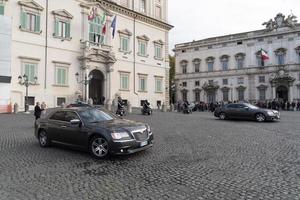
(229, 68)
(53, 40)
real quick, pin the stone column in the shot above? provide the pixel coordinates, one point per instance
(291, 95)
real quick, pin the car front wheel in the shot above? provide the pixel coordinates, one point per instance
(43, 139)
(260, 117)
(222, 116)
(99, 147)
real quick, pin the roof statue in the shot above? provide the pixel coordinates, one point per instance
(281, 21)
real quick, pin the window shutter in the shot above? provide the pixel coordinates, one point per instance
(56, 27)
(23, 20)
(37, 27)
(68, 30)
(1, 9)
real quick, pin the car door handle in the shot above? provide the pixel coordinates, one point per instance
(63, 126)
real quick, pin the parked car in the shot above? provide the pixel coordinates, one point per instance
(246, 111)
(95, 130)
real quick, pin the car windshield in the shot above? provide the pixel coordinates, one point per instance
(95, 116)
(251, 106)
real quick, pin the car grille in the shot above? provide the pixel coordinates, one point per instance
(140, 135)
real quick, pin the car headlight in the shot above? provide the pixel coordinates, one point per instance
(148, 128)
(120, 135)
(270, 113)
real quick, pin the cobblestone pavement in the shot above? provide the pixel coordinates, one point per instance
(195, 157)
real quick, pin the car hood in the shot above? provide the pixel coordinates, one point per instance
(120, 124)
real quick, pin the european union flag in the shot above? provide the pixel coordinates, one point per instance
(113, 26)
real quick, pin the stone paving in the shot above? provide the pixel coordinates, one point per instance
(195, 157)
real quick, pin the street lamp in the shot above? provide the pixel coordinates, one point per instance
(85, 82)
(23, 80)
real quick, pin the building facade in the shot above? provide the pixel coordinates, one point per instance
(230, 68)
(51, 41)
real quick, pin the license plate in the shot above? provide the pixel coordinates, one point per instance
(144, 143)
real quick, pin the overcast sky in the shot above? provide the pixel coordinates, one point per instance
(200, 19)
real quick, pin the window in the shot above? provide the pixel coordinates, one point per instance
(60, 116)
(184, 69)
(225, 81)
(70, 116)
(239, 42)
(210, 63)
(124, 81)
(143, 6)
(262, 94)
(197, 96)
(241, 96)
(30, 70)
(124, 43)
(61, 76)
(240, 80)
(259, 61)
(60, 101)
(125, 3)
(280, 53)
(210, 66)
(95, 32)
(142, 48)
(62, 29)
(158, 51)
(30, 22)
(184, 95)
(261, 79)
(197, 83)
(196, 63)
(142, 83)
(240, 57)
(1, 9)
(226, 95)
(158, 14)
(158, 84)
(142, 102)
(210, 82)
(184, 84)
(30, 101)
(224, 64)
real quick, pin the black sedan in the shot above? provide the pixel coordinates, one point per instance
(246, 111)
(95, 130)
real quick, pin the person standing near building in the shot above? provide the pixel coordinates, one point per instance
(298, 105)
(37, 112)
(43, 107)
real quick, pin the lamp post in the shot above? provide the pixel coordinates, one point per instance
(85, 82)
(23, 80)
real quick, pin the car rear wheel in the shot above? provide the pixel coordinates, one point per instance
(260, 117)
(99, 147)
(222, 116)
(43, 139)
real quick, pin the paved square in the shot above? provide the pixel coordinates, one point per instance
(195, 157)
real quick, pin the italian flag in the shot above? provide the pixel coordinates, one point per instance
(103, 22)
(264, 55)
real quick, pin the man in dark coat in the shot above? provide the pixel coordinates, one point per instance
(37, 111)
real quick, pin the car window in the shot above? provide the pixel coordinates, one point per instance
(70, 116)
(59, 115)
(241, 106)
(95, 115)
(232, 106)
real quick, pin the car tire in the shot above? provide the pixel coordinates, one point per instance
(222, 116)
(99, 147)
(44, 139)
(260, 117)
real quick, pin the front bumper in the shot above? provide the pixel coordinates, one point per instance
(130, 147)
(273, 117)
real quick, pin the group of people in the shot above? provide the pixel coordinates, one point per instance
(279, 105)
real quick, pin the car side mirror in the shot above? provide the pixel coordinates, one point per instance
(75, 122)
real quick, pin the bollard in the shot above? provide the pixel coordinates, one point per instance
(16, 108)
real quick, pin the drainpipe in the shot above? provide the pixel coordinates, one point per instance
(134, 52)
(46, 46)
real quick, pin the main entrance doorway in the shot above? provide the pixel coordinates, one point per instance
(211, 96)
(282, 93)
(96, 87)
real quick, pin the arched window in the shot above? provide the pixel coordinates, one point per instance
(183, 65)
(280, 53)
(196, 63)
(298, 53)
(210, 63)
(240, 58)
(224, 62)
